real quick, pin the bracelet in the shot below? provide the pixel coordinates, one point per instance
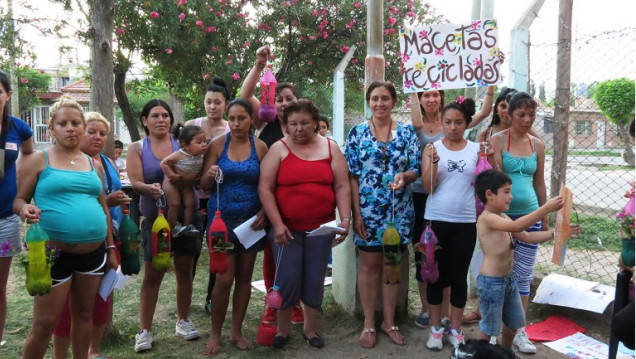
(345, 219)
(112, 246)
(490, 94)
(259, 65)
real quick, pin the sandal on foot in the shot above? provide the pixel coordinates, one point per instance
(315, 342)
(472, 317)
(394, 335)
(213, 349)
(367, 338)
(243, 344)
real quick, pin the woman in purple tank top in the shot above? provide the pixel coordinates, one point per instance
(146, 177)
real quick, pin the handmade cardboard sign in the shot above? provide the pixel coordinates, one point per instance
(450, 56)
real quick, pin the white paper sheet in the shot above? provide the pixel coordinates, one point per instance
(324, 229)
(580, 346)
(246, 235)
(122, 279)
(557, 289)
(107, 283)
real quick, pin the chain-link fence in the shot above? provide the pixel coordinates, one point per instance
(597, 173)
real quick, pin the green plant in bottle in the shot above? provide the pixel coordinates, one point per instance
(38, 269)
(129, 248)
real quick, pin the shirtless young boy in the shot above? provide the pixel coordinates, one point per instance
(499, 298)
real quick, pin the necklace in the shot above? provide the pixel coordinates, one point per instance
(385, 144)
(72, 162)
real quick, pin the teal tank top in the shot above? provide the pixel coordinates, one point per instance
(521, 170)
(69, 201)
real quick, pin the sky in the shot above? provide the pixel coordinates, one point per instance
(589, 17)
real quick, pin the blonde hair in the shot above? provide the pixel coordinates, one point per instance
(65, 101)
(96, 117)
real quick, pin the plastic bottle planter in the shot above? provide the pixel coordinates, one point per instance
(428, 269)
(273, 298)
(38, 271)
(267, 109)
(392, 256)
(218, 244)
(482, 165)
(129, 247)
(161, 243)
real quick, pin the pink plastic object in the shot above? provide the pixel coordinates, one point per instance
(273, 298)
(629, 207)
(429, 270)
(267, 109)
(482, 165)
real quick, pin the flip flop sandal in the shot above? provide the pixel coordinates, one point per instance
(367, 338)
(472, 317)
(394, 335)
(242, 344)
(212, 349)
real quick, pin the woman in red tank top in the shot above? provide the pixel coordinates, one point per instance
(303, 179)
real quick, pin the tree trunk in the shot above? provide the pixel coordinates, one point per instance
(178, 110)
(102, 16)
(628, 154)
(562, 99)
(124, 105)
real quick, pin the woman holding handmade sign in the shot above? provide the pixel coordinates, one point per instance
(522, 157)
(448, 170)
(384, 158)
(237, 156)
(303, 180)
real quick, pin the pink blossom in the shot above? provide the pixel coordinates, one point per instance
(182, 2)
(405, 58)
(240, 15)
(391, 31)
(257, 41)
(312, 37)
(182, 16)
(42, 71)
(344, 49)
(214, 49)
(154, 15)
(229, 62)
(436, 85)
(222, 1)
(314, 13)
(357, 5)
(439, 52)
(219, 13)
(309, 63)
(393, 10)
(423, 34)
(286, 3)
(121, 31)
(476, 62)
(354, 61)
(410, 4)
(349, 25)
(210, 29)
(386, 31)
(235, 76)
(168, 51)
(325, 35)
(199, 23)
(206, 76)
(410, 14)
(324, 12)
(362, 87)
(392, 20)
(476, 24)
(246, 44)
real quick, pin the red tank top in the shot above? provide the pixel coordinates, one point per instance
(304, 192)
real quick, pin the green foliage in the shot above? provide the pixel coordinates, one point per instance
(615, 99)
(30, 83)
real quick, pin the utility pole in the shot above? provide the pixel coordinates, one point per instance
(562, 99)
(374, 62)
(15, 98)
(519, 59)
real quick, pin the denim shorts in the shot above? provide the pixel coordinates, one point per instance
(10, 236)
(499, 301)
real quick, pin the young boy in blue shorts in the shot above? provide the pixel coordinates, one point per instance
(499, 298)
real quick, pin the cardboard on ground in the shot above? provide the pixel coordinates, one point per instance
(564, 291)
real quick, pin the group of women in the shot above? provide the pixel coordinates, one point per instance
(292, 180)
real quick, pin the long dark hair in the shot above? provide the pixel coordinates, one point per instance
(219, 85)
(6, 84)
(149, 106)
(503, 95)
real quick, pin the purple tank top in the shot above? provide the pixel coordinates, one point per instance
(152, 174)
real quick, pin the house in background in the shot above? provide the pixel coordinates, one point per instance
(38, 116)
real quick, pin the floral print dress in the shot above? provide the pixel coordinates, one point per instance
(365, 159)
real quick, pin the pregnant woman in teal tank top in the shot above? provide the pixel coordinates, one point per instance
(66, 185)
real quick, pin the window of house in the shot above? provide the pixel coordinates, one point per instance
(40, 124)
(548, 124)
(583, 127)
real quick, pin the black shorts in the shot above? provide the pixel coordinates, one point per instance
(184, 245)
(378, 249)
(66, 264)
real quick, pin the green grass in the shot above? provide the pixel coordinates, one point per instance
(616, 168)
(593, 228)
(589, 153)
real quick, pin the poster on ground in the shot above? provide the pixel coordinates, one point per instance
(580, 346)
(447, 56)
(562, 227)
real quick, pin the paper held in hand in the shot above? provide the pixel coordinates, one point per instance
(562, 227)
(324, 229)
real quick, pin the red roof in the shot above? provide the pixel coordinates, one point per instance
(79, 90)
